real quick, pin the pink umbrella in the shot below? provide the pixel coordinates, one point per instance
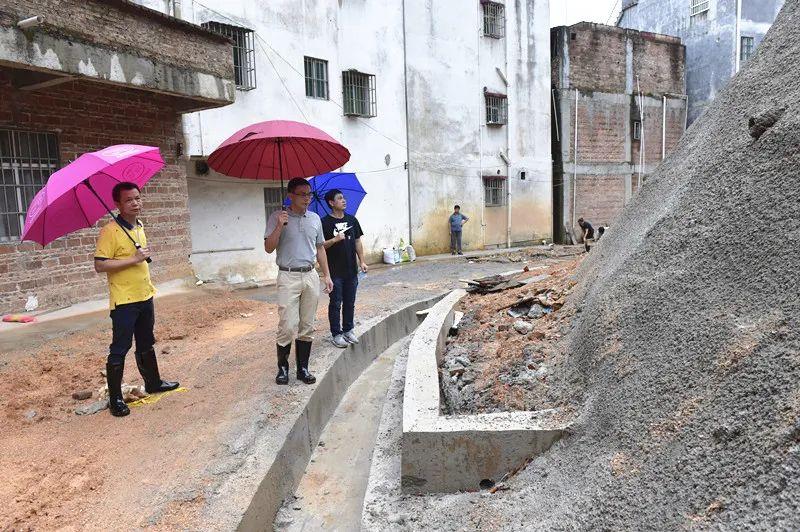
(278, 150)
(79, 194)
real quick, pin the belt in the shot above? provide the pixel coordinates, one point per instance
(302, 269)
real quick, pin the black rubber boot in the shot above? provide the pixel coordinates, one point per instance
(116, 405)
(283, 364)
(148, 367)
(303, 353)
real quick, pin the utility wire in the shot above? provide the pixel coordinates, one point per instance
(283, 83)
(613, 10)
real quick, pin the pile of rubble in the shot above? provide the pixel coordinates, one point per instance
(506, 342)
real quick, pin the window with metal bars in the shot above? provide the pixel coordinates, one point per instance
(244, 52)
(316, 78)
(494, 19)
(698, 7)
(494, 191)
(272, 200)
(358, 94)
(748, 48)
(26, 161)
(496, 109)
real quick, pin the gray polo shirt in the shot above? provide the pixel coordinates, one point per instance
(297, 246)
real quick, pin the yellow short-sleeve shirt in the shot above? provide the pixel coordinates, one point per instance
(131, 284)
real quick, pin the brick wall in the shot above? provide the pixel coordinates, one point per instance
(123, 26)
(597, 58)
(659, 65)
(653, 118)
(602, 134)
(600, 198)
(86, 117)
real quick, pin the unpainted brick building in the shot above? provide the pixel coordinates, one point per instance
(87, 75)
(629, 90)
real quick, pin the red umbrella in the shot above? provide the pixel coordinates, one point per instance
(278, 150)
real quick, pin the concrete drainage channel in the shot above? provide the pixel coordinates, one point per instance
(286, 470)
(381, 444)
(331, 494)
(446, 454)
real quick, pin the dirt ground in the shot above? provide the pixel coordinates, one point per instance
(157, 467)
(491, 365)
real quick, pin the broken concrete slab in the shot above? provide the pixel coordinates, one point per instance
(457, 453)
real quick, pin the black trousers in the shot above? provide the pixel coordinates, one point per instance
(129, 321)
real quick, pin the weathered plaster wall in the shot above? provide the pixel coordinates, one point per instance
(446, 112)
(710, 44)
(452, 147)
(291, 31)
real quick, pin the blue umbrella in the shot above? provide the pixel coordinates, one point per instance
(346, 182)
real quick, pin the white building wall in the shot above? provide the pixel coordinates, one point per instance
(446, 120)
(450, 63)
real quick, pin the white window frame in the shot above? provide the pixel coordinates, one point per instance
(316, 71)
(272, 200)
(698, 7)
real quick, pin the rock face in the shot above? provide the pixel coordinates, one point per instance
(687, 346)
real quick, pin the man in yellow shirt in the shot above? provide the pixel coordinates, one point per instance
(122, 254)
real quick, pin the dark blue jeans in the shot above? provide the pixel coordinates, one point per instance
(342, 302)
(129, 321)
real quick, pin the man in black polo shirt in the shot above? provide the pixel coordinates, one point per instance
(345, 258)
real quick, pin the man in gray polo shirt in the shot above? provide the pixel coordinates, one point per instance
(297, 236)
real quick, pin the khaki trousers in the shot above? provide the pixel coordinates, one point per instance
(298, 296)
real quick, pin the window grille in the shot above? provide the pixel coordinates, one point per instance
(494, 190)
(698, 7)
(272, 200)
(244, 52)
(26, 161)
(494, 20)
(496, 109)
(748, 48)
(316, 78)
(637, 130)
(358, 94)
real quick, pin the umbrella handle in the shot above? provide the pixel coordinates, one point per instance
(148, 260)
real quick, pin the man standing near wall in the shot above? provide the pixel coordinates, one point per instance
(297, 236)
(345, 257)
(122, 257)
(456, 221)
